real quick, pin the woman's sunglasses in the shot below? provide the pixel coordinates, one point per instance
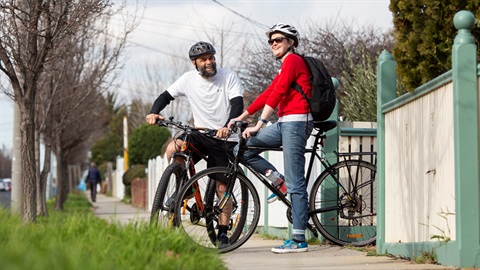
(277, 40)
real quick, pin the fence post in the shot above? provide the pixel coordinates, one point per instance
(386, 91)
(465, 118)
(331, 143)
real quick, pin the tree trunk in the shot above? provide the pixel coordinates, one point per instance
(62, 180)
(27, 129)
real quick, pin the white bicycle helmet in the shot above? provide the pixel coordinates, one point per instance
(288, 30)
(200, 48)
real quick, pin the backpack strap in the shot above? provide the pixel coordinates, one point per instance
(298, 88)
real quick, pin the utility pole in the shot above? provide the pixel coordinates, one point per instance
(16, 198)
(125, 143)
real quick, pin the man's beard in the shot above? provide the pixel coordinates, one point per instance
(208, 74)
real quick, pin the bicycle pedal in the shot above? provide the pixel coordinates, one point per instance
(313, 229)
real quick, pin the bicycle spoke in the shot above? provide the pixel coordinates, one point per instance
(351, 218)
(202, 226)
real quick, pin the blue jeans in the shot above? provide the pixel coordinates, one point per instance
(293, 137)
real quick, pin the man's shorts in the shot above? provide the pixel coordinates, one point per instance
(218, 151)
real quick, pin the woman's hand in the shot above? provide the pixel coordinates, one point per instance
(248, 131)
(232, 121)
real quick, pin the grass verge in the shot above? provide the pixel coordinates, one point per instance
(76, 239)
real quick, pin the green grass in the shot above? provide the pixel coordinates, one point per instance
(76, 239)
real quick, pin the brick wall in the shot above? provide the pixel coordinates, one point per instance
(139, 192)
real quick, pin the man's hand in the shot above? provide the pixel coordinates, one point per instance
(152, 118)
(222, 132)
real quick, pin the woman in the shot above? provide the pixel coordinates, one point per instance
(292, 130)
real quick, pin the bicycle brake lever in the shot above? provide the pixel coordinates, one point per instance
(161, 123)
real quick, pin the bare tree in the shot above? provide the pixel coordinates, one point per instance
(33, 33)
(152, 83)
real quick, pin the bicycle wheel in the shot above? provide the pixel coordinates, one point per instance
(162, 208)
(347, 218)
(198, 217)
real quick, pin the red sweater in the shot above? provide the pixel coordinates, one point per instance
(280, 93)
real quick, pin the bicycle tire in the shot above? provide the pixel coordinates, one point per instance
(168, 185)
(349, 222)
(244, 218)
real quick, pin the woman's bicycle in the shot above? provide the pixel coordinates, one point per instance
(177, 172)
(342, 200)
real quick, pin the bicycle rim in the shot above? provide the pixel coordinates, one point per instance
(162, 208)
(351, 221)
(201, 224)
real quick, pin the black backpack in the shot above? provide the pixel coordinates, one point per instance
(323, 97)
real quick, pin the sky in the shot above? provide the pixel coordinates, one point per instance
(168, 28)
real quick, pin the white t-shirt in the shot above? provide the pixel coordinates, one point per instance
(208, 98)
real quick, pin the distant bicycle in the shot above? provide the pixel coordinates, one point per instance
(342, 201)
(176, 173)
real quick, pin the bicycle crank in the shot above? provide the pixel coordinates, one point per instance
(194, 214)
(309, 226)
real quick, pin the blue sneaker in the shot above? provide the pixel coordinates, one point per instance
(273, 197)
(290, 246)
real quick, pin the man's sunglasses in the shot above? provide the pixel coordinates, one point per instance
(277, 40)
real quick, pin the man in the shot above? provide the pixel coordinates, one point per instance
(215, 96)
(93, 178)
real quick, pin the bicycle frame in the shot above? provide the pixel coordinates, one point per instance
(314, 155)
(187, 149)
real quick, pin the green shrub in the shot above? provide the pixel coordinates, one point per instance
(133, 172)
(146, 143)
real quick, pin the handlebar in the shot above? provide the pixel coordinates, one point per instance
(238, 127)
(186, 127)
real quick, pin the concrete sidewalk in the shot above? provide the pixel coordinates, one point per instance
(255, 254)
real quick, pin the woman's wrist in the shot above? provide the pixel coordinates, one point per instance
(262, 120)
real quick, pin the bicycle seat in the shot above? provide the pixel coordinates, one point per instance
(324, 126)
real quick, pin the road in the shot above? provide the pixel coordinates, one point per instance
(5, 199)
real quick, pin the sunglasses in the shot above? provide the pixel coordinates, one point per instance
(276, 40)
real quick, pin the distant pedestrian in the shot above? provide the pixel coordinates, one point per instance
(93, 178)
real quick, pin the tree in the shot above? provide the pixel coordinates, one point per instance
(151, 83)
(109, 146)
(145, 143)
(32, 34)
(424, 34)
(359, 93)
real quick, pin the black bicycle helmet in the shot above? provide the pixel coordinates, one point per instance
(288, 30)
(200, 48)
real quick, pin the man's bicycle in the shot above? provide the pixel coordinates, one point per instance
(342, 200)
(177, 172)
